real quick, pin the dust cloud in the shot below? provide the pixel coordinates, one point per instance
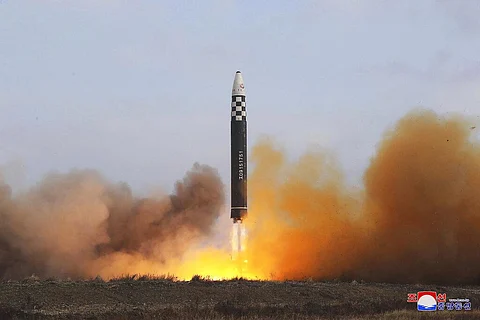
(417, 219)
(78, 225)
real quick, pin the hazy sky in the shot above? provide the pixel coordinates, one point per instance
(140, 90)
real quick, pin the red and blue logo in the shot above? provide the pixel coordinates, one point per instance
(433, 301)
(427, 301)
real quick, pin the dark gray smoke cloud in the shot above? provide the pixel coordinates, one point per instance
(79, 225)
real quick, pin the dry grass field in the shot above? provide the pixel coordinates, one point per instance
(163, 298)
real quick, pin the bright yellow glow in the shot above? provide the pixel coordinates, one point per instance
(217, 264)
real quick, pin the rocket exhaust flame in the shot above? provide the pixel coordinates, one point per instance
(239, 246)
(235, 241)
(238, 239)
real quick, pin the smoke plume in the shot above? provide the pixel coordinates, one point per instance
(417, 219)
(79, 225)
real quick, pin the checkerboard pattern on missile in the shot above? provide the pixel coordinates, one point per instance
(239, 112)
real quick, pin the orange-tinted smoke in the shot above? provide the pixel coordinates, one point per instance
(417, 220)
(423, 204)
(302, 218)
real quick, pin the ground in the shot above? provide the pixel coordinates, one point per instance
(148, 298)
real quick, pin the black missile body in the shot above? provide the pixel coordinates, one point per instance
(238, 144)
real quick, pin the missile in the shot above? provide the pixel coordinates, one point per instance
(238, 149)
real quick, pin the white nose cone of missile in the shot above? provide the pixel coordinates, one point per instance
(238, 86)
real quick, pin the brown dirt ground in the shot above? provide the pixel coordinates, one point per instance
(147, 298)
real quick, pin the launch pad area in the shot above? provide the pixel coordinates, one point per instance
(147, 298)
